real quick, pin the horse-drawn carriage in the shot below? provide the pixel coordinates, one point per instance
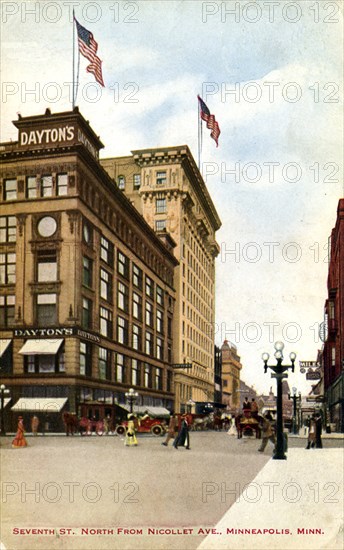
(83, 425)
(247, 424)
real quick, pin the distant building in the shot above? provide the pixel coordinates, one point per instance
(333, 353)
(231, 367)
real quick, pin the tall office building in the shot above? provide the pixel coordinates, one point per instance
(166, 186)
(86, 286)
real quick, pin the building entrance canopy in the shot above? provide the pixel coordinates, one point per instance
(40, 404)
(41, 347)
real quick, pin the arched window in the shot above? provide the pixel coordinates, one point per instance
(121, 182)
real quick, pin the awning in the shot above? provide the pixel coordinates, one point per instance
(40, 404)
(6, 401)
(4, 345)
(41, 347)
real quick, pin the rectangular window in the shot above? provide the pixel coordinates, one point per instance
(46, 267)
(123, 265)
(105, 322)
(137, 181)
(148, 376)
(137, 338)
(7, 306)
(123, 297)
(161, 178)
(149, 314)
(105, 285)
(119, 374)
(85, 359)
(62, 184)
(169, 380)
(333, 357)
(31, 187)
(160, 206)
(87, 269)
(103, 363)
(149, 287)
(169, 352)
(47, 186)
(159, 321)
(158, 379)
(159, 348)
(122, 330)
(7, 269)
(10, 189)
(169, 327)
(106, 251)
(86, 313)
(135, 372)
(137, 277)
(8, 229)
(149, 343)
(46, 309)
(137, 306)
(160, 225)
(159, 295)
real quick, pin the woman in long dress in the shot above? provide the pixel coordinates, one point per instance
(19, 440)
(130, 436)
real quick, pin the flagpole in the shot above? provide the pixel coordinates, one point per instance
(199, 122)
(73, 102)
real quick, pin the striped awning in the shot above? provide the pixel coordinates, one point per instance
(40, 404)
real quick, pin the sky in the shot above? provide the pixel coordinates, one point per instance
(271, 73)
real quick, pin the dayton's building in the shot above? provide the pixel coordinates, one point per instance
(86, 285)
(167, 188)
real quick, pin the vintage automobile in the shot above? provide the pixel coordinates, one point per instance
(145, 424)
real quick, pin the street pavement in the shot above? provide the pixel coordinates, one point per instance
(93, 492)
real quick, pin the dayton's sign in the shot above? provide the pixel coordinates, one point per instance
(56, 135)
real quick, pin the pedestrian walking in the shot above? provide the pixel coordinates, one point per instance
(183, 437)
(19, 440)
(318, 430)
(130, 437)
(267, 432)
(311, 433)
(171, 430)
(106, 425)
(34, 424)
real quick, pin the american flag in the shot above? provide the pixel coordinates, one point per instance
(210, 120)
(88, 48)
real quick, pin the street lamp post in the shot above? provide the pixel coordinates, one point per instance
(3, 391)
(295, 399)
(279, 372)
(190, 404)
(131, 397)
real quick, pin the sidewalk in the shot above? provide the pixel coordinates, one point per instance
(291, 504)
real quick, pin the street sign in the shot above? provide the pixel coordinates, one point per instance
(181, 365)
(309, 364)
(313, 375)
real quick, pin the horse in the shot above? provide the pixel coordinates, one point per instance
(71, 422)
(245, 423)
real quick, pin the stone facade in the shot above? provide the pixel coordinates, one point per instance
(167, 188)
(79, 267)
